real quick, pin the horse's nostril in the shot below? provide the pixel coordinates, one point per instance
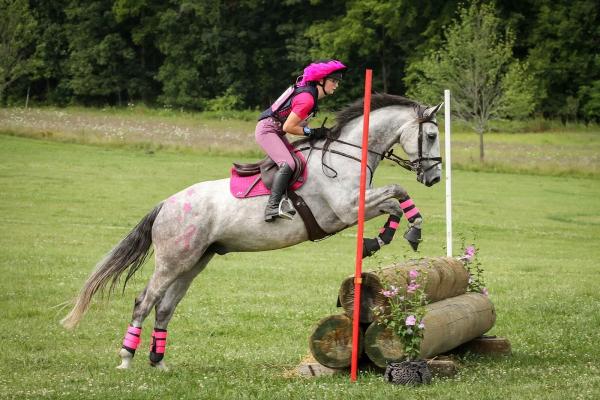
(433, 181)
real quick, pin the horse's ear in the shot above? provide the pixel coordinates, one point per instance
(430, 111)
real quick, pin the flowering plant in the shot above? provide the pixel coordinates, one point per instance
(405, 312)
(473, 267)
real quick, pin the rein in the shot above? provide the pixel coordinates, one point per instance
(415, 166)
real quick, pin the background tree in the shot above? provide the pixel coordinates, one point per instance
(48, 78)
(477, 65)
(17, 33)
(139, 22)
(101, 64)
(563, 51)
(380, 34)
(199, 54)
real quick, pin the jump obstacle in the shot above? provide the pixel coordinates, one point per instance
(455, 321)
(460, 318)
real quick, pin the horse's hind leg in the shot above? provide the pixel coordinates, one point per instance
(166, 307)
(164, 275)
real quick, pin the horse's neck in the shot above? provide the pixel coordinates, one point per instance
(384, 124)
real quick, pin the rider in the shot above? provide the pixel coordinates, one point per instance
(290, 114)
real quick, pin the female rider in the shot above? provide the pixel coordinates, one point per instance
(290, 114)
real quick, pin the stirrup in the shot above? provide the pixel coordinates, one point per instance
(286, 209)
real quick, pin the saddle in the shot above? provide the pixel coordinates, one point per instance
(265, 170)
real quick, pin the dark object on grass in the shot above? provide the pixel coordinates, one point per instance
(408, 373)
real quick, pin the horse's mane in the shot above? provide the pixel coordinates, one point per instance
(355, 110)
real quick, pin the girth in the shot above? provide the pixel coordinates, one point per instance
(314, 230)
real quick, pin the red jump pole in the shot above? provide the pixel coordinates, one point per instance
(361, 225)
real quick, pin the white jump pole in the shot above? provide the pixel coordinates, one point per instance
(448, 173)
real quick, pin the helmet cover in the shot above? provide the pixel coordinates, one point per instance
(322, 69)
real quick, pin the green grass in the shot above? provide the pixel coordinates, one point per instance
(245, 323)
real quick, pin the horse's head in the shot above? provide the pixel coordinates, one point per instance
(394, 119)
(420, 139)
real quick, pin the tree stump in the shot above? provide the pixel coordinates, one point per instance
(331, 341)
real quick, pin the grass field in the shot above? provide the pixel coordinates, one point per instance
(245, 323)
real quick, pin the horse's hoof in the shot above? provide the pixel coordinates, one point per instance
(413, 236)
(126, 358)
(125, 364)
(159, 365)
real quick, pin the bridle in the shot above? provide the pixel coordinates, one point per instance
(415, 166)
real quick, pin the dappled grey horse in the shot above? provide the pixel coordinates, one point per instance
(205, 219)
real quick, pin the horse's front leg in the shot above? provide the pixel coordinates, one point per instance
(395, 201)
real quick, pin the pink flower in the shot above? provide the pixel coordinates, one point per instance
(469, 252)
(412, 287)
(390, 293)
(421, 325)
(484, 292)
(411, 320)
(413, 274)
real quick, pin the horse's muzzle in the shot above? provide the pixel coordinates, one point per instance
(429, 176)
(432, 182)
(428, 181)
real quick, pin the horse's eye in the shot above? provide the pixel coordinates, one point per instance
(431, 135)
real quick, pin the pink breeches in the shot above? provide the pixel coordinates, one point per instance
(270, 136)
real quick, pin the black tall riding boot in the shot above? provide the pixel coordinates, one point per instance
(278, 188)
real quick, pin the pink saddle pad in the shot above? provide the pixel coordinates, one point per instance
(239, 185)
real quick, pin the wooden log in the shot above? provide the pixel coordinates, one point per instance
(487, 345)
(443, 367)
(443, 277)
(448, 324)
(310, 369)
(331, 341)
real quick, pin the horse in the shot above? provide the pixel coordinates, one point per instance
(190, 227)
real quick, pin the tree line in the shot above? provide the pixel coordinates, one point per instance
(227, 54)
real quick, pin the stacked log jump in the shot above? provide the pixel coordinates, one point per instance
(453, 316)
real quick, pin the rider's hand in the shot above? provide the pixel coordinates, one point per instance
(317, 133)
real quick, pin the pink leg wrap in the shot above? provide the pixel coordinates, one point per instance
(159, 341)
(132, 338)
(389, 229)
(411, 212)
(406, 204)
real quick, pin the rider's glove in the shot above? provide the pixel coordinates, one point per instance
(316, 133)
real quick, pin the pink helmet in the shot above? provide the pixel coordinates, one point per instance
(322, 69)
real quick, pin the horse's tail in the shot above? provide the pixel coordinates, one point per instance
(130, 254)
